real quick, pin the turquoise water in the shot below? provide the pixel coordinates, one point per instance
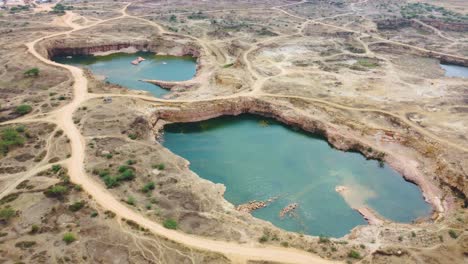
(455, 70)
(118, 70)
(258, 158)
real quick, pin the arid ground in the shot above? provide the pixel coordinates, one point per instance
(365, 75)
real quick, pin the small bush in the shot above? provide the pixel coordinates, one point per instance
(127, 175)
(131, 162)
(10, 138)
(148, 187)
(32, 72)
(20, 129)
(453, 234)
(6, 214)
(160, 166)
(131, 200)
(263, 239)
(34, 229)
(76, 206)
(132, 136)
(23, 109)
(110, 181)
(170, 224)
(69, 238)
(354, 254)
(56, 191)
(94, 214)
(284, 244)
(324, 239)
(56, 168)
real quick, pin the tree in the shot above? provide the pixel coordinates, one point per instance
(32, 72)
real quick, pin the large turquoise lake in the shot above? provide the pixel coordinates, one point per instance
(258, 158)
(117, 69)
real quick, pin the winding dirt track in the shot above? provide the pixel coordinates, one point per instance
(62, 117)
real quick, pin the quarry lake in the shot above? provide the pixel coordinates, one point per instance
(117, 69)
(258, 158)
(455, 70)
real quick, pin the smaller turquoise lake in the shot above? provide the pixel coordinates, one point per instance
(117, 69)
(455, 70)
(258, 158)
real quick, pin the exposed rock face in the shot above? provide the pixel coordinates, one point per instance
(55, 47)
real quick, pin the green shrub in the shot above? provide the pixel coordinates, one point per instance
(170, 224)
(453, 234)
(20, 129)
(127, 175)
(123, 168)
(9, 139)
(159, 166)
(34, 229)
(76, 206)
(110, 181)
(131, 162)
(284, 244)
(32, 72)
(354, 254)
(56, 191)
(132, 136)
(131, 200)
(23, 109)
(94, 214)
(6, 214)
(148, 187)
(263, 239)
(56, 168)
(323, 239)
(69, 238)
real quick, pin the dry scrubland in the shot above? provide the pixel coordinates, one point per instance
(348, 70)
